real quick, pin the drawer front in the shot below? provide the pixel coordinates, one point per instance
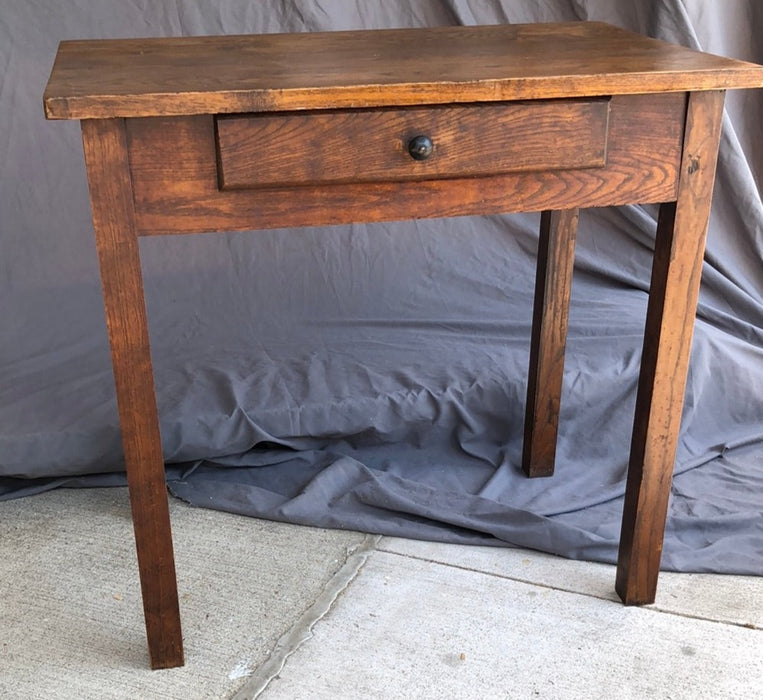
(421, 143)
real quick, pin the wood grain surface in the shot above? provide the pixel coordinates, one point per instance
(175, 183)
(371, 145)
(673, 294)
(553, 284)
(160, 172)
(117, 245)
(226, 74)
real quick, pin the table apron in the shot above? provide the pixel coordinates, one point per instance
(174, 170)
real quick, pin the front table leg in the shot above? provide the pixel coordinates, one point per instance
(553, 282)
(117, 244)
(673, 294)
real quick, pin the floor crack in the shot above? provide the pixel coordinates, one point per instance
(302, 630)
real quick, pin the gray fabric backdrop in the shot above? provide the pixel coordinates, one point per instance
(373, 377)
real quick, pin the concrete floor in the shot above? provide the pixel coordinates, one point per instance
(277, 611)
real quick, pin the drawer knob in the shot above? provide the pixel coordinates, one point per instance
(420, 147)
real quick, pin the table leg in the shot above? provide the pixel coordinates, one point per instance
(553, 282)
(673, 294)
(111, 198)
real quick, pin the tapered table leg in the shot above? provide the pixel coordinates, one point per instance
(553, 282)
(673, 294)
(117, 244)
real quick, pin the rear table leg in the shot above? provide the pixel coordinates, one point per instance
(553, 282)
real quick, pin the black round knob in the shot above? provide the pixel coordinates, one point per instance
(420, 147)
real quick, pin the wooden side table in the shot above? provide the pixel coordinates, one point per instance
(188, 135)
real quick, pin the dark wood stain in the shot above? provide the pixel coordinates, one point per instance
(116, 241)
(673, 294)
(362, 146)
(269, 72)
(176, 187)
(553, 283)
(607, 123)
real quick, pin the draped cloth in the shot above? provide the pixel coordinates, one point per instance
(373, 377)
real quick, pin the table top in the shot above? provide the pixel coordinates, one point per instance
(371, 68)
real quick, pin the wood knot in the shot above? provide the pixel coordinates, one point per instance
(693, 164)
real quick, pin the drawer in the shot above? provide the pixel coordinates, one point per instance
(282, 149)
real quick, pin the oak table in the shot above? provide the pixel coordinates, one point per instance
(197, 134)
